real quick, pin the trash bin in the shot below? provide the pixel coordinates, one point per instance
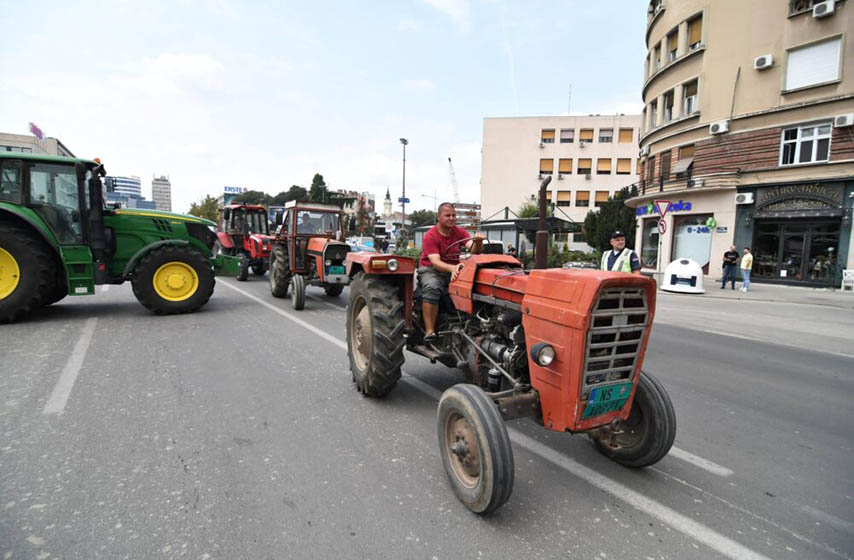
(684, 276)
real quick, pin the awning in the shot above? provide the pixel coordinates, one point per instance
(683, 165)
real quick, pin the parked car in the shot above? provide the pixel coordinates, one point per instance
(580, 264)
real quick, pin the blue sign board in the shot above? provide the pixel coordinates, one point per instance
(650, 208)
(403, 200)
(234, 190)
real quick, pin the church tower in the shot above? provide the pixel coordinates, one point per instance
(387, 205)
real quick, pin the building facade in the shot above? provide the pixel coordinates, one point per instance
(127, 191)
(161, 193)
(747, 132)
(32, 145)
(588, 157)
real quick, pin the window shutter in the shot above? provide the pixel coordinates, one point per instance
(587, 134)
(624, 166)
(567, 134)
(626, 135)
(548, 135)
(603, 165)
(585, 164)
(695, 27)
(686, 152)
(547, 165)
(548, 196)
(582, 195)
(814, 64)
(565, 166)
(601, 196)
(563, 196)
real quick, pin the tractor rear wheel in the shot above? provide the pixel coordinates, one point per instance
(243, 272)
(173, 279)
(375, 340)
(298, 291)
(475, 448)
(280, 276)
(649, 431)
(28, 272)
(58, 292)
(334, 291)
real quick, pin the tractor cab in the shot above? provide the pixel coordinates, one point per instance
(243, 231)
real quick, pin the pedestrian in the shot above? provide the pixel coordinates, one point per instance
(620, 258)
(730, 260)
(511, 250)
(746, 267)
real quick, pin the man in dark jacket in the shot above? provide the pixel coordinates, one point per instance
(730, 260)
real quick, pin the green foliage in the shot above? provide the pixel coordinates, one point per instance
(207, 209)
(528, 210)
(364, 223)
(296, 192)
(318, 191)
(422, 218)
(414, 252)
(613, 215)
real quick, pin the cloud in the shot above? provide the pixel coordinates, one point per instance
(407, 24)
(457, 10)
(421, 86)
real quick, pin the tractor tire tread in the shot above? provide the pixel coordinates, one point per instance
(30, 293)
(149, 299)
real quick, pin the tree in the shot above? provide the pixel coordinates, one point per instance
(206, 209)
(319, 191)
(296, 192)
(611, 216)
(422, 218)
(364, 224)
(253, 197)
(528, 210)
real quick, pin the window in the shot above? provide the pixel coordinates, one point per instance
(695, 32)
(686, 152)
(586, 135)
(650, 169)
(653, 114)
(672, 45)
(11, 181)
(563, 198)
(603, 166)
(665, 165)
(547, 136)
(656, 55)
(567, 135)
(649, 243)
(582, 198)
(547, 166)
(805, 144)
(565, 166)
(668, 106)
(584, 166)
(548, 197)
(579, 238)
(626, 135)
(606, 135)
(54, 196)
(624, 166)
(689, 94)
(561, 237)
(692, 238)
(601, 198)
(686, 160)
(813, 64)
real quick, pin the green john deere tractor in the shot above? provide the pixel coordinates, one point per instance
(57, 238)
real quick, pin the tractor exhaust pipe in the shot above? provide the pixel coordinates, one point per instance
(541, 247)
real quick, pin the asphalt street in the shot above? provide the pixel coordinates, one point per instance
(236, 432)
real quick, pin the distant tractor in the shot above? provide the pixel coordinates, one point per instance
(307, 251)
(244, 232)
(57, 238)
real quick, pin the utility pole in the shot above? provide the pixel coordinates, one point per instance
(404, 141)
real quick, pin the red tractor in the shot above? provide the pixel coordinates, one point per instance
(561, 346)
(307, 251)
(244, 232)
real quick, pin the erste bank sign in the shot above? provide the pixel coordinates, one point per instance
(650, 209)
(234, 190)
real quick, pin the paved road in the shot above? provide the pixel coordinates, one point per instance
(235, 432)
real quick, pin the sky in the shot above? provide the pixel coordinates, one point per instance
(263, 95)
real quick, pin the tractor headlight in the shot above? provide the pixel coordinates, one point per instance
(328, 262)
(213, 229)
(392, 265)
(543, 354)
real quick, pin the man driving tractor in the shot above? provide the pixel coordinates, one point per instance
(440, 262)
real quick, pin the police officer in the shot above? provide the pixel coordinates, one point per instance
(619, 258)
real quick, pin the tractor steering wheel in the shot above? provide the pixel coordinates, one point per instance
(457, 242)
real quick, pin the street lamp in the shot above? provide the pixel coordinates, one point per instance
(404, 141)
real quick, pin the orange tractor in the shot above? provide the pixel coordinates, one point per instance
(561, 346)
(307, 251)
(244, 232)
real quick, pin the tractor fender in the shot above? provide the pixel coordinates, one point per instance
(225, 240)
(375, 263)
(9, 214)
(131, 264)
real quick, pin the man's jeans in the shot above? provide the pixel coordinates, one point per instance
(729, 272)
(746, 273)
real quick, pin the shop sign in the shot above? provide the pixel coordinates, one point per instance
(796, 193)
(650, 209)
(699, 229)
(234, 190)
(722, 229)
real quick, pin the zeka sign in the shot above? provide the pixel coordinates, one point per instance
(649, 209)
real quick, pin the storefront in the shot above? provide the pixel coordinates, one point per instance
(799, 233)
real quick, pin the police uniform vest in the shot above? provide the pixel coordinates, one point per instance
(623, 262)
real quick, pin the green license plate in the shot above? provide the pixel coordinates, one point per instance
(607, 399)
(337, 270)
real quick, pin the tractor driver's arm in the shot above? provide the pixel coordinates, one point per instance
(475, 244)
(442, 266)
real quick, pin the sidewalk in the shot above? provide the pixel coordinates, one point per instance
(773, 293)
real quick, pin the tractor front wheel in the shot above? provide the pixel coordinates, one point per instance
(647, 434)
(334, 291)
(280, 276)
(243, 272)
(475, 448)
(259, 270)
(375, 340)
(173, 279)
(298, 291)
(28, 272)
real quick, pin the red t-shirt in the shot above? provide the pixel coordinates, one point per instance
(435, 244)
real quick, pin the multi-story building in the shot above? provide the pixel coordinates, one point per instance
(588, 157)
(127, 191)
(161, 193)
(747, 131)
(32, 145)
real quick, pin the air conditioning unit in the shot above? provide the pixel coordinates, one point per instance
(696, 183)
(540, 176)
(719, 127)
(542, 145)
(587, 176)
(823, 9)
(644, 151)
(840, 121)
(744, 198)
(560, 177)
(763, 62)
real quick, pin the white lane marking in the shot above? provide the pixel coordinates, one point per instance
(59, 397)
(698, 461)
(828, 518)
(683, 524)
(105, 287)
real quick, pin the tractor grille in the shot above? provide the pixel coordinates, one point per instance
(618, 325)
(162, 225)
(336, 252)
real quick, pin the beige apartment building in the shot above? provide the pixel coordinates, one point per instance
(31, 145)
(588, 157)
(748, 130)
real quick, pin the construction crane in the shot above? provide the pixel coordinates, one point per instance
(453, 181)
